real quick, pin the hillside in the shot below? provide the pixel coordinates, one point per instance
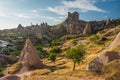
(96, 39)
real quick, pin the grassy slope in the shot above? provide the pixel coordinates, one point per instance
(62, 69)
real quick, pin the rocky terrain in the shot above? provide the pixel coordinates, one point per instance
(72, 50)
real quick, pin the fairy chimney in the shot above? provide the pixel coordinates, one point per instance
(29, 57)
(88, 29)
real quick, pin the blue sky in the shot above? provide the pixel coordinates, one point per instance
(14, 12)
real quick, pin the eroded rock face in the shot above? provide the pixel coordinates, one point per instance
(88, 29)
(73, 24)
(5, 59)
(29, 57)
(115, 43)
(96, 64)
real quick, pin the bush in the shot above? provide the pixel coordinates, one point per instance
(15, 53)
(55, 50)
(93, 38)
(52, 57)
(42, 53)
(76, 54)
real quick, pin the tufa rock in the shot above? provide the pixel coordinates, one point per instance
(96, 64)
(10, 77)
(5, 59)
(115, 43)
(29, 57)
(88, 29)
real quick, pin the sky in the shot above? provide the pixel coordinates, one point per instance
(25, 12)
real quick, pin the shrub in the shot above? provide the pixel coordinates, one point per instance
(76, 54)
(55, 50)
(42, 53)
(15, 53)
(93, 37)
(52, 57)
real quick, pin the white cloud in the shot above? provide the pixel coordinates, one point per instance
(35, 11)
(54, 19)
(82, 5)
(60, 10)
(22, 16)
(2, 14)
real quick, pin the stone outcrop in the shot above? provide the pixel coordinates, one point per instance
(10, 77)
(73, 24)
(96, 64)
(29, 57)
(5, 59)
(88, 29)
(115, 43)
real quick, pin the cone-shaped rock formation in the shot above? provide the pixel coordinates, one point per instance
(29, 57)
(87, 29)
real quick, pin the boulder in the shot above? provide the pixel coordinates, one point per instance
(96, 64)
(10, 77)
(29, 57)
(7, 59)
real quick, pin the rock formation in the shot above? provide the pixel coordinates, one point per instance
(5, 59)
(96, 64)
(10, 77)
(115, 43)
(29, 57)
(73, 24)
(88, 29)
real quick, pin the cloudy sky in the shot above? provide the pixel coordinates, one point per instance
(14, 12)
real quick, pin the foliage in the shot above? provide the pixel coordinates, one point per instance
(76, 54)
(42, 53)
(93, 37)
(55, 50)
(52, 57)
(59, 41)
(15, 53)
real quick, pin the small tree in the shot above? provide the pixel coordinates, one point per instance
(76, 54)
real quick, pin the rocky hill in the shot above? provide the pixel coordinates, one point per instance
(71, 25)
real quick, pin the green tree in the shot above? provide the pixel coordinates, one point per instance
(76, 54)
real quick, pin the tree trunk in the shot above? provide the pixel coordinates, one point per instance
(74, 65)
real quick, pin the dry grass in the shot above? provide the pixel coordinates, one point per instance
(39, 72)
(112, 70)
(13, 69)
